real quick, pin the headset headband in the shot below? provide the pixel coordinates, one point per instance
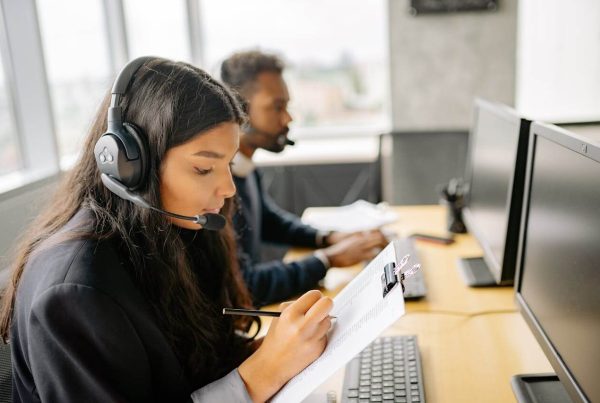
(115, 113)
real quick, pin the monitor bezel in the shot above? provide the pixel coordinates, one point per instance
(503, 273)
(576, 144)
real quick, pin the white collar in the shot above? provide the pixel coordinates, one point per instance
(242, 165)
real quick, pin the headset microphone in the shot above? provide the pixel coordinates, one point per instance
(286, 140)
(213, 222)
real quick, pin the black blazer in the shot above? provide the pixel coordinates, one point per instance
(260, 219)
(82, 331)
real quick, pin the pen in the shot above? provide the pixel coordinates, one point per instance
(249, 312)
(253, 312)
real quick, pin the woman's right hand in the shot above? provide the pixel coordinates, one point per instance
(294, 340)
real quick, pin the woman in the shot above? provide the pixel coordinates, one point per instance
(111, 301)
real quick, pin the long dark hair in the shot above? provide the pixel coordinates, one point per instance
(171, 102)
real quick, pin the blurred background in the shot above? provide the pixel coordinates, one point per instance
(382, 90)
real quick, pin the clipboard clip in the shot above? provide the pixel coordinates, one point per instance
(392, 274)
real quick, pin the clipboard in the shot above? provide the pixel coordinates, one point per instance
(367, 306)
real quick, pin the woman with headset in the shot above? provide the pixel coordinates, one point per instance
(115, 298)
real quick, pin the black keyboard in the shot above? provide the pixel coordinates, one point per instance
(388, 370)
(414, 287)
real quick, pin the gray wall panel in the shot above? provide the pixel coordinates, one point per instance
(440, 62)
(296, 187)
(419, 162)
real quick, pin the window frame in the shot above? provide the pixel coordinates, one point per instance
(23, 61)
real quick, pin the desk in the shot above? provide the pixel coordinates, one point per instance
(464, 359)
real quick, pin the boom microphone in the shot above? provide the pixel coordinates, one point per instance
(212, 222)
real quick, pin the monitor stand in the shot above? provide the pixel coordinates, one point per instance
(475, 272)
(533, 388)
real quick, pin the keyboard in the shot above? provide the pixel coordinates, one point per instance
(388, 370)
(414, 287)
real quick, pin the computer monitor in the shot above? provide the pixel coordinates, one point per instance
(496, 174)
(558, 276)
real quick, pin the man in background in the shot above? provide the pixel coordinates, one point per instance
(258, 79)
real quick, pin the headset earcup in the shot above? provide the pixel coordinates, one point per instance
(139, 138)
(111, 159)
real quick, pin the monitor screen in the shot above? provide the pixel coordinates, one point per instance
(494, 148)
(559, 280)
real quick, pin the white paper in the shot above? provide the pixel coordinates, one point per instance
(358, 216)
(362, 314)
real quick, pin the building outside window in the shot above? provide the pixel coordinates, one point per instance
(77, 65)
(158, 28)
(336, 52)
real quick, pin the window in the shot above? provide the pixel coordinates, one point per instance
(77, 64)
(157, 28)
(336, 53)
(9, 151)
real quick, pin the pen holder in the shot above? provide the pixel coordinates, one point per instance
(454, 217)
(453, 197)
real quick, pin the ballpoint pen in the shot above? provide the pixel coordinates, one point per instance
(253, 312)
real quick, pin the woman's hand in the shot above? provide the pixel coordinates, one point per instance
(295, 340)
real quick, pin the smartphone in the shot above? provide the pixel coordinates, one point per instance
(434, 238)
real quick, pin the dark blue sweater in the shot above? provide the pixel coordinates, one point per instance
(260, 219)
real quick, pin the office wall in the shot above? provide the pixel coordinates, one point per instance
(439, 64)
(415, 164)
(558, 63)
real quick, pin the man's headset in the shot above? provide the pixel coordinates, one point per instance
(249, 130)
(122, 156)
(281, 139)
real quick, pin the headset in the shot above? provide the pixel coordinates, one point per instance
(122, 155)
(249, 130)
(281, 140)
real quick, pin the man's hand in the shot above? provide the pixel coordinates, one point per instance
(337, 236)
(354, 248)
